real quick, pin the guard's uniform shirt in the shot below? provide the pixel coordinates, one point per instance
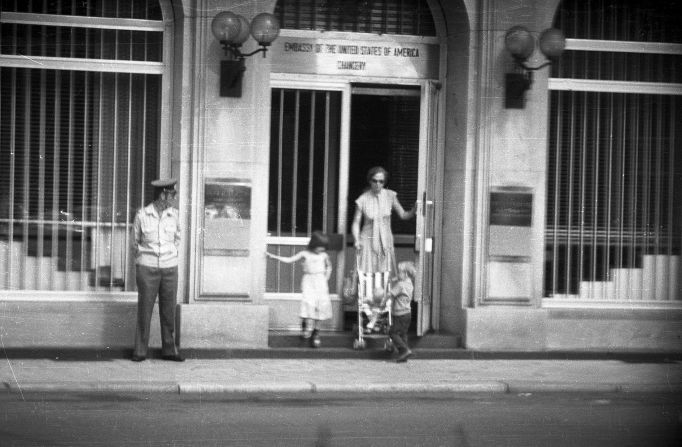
(157, 237)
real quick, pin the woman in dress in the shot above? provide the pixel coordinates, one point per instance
(374, 240)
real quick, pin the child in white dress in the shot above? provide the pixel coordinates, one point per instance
(316, 305)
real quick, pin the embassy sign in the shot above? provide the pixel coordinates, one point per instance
(345, 57)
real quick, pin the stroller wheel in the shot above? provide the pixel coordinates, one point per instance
(359, 344)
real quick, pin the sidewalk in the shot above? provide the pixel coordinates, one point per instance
(268, 374)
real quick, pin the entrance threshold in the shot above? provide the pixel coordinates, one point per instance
(344, 339)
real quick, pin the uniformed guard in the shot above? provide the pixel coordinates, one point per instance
(157, 239)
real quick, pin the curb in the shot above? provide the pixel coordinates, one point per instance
(246, 388)
(452, 387)
(651, 388)
(515, 387)
(257, 388)
(93, 387)
(302, 388)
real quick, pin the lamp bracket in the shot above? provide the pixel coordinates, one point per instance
(528, 68)
(261, 49)
(234, 52)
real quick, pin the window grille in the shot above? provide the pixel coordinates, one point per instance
(119, 9)
(410, 17)
(614, 228)
(76, 145)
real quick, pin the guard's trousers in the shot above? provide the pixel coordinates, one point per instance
(153, 282)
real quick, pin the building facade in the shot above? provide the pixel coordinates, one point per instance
(546, 217)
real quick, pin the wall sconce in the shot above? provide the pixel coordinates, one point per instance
(521, 44)
(232, 30)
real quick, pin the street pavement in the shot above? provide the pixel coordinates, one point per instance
(290, 373)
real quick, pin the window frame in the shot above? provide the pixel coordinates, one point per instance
(283, 81)
(609, 86)
(163, 68)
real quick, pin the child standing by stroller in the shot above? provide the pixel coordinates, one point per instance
(401, 291)
(317, 268)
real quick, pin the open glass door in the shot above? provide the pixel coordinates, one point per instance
(394, 126)
(307, 181)
(424, 237)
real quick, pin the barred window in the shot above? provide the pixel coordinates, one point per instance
(615, 159)
(78, 139)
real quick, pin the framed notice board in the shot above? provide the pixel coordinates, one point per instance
(511, 219)
(510, 270)
(225, 239)
(511, 208)
(227, 216)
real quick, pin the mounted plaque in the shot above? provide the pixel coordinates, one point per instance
(512, 208)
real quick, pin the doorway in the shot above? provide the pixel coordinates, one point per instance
(348, 128)
(384, 131)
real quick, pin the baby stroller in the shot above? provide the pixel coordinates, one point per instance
(374, 320)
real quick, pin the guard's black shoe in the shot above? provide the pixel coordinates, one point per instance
(173, 358)
(138, 358)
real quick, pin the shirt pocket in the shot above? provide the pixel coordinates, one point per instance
(169, 231)
(150, 231)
